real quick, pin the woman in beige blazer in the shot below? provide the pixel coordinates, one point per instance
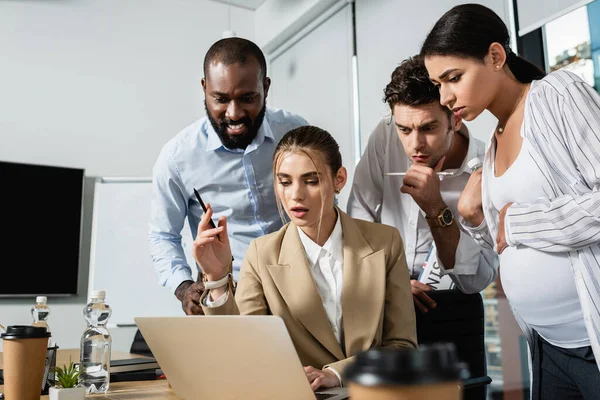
(340, 284)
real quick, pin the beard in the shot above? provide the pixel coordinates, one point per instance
(237, 141)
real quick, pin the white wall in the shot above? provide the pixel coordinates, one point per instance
(277, 20)
(100, 85)
(324, 77)
(388, 31)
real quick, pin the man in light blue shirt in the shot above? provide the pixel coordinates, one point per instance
(227, 156)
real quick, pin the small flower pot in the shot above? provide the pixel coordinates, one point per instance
(76, 393)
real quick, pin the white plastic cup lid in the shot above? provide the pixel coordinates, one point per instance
(98, 294)
(41, 299)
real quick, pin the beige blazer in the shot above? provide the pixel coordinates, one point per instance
(377, 305)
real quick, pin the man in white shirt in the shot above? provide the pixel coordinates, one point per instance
(421, 139)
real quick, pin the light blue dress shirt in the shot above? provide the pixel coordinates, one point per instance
(237, 183)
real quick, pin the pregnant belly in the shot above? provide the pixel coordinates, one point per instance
(539, 286)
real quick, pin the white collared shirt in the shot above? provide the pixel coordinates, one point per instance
(326, 264)
(376, 197)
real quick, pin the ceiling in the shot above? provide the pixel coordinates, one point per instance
(249, 4)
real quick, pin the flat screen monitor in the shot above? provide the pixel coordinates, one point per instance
(40, 229)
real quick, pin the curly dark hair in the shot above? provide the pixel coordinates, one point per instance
(410, 85)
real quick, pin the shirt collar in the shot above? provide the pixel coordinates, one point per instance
(472, 152)
(333, 246)
(214, 142)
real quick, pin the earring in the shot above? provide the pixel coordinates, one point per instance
(497, 67)
(336, 190)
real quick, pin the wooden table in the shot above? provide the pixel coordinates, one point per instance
(156, 390)
(65, 355)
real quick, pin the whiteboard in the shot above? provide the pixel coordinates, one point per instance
(120, 261)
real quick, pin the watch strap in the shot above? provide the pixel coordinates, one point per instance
(219, 283)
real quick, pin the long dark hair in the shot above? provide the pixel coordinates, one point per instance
(467, 31)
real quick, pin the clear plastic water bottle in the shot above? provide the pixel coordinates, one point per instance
(95, 345)
(40, 312)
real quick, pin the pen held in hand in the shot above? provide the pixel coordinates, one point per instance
(442, 173)
(212, 224)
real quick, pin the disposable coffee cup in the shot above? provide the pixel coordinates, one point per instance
(24, 357)
(429, 372)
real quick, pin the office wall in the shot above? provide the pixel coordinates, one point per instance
(100, 85)
(326, 76)
(535, 14)
(387, 32)
(277, 20)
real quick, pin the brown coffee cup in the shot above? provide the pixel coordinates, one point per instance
(24, 359)
(429, 372)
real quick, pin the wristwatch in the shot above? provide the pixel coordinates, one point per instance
(444, 218)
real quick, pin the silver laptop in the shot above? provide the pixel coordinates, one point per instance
(229, 357)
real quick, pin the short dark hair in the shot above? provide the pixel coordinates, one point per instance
(410, 85)
(235, 50)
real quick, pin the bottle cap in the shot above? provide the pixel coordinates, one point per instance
(41, 299)
(98, 294)
(474, 164)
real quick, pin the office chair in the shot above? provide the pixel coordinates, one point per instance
(459, 319)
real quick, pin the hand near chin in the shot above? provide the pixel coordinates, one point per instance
(423, 185)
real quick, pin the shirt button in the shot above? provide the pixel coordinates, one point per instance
(412, 223)
(411, 246)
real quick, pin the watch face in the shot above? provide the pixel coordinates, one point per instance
(447, 217)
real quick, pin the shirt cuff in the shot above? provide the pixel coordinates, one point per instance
(466, 257)
(475, 229)
(218, 302)
(336, 374)
(176, 278)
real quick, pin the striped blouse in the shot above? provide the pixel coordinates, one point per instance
(562, 123)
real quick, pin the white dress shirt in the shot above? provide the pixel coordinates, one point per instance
(377, 198)
(326, 267)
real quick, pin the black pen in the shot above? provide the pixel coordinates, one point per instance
(212, 224)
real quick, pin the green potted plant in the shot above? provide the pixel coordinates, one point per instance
(67, 384)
